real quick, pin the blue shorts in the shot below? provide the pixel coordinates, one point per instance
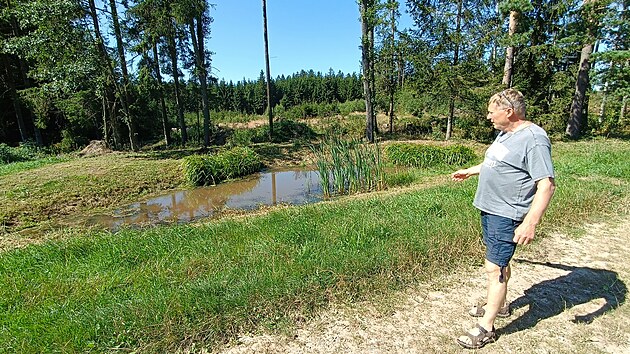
(498, 232)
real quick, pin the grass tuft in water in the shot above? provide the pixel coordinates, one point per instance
(348, 166)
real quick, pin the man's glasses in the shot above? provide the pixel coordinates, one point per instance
(503, 95)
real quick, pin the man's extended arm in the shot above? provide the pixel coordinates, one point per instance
(461, 175)
(525, 232)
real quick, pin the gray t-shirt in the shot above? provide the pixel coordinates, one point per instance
(512, 166)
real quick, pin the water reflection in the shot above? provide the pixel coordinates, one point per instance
(268, 188)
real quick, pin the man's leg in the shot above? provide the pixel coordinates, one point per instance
(497, 291)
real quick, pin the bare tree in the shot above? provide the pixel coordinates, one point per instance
(269, 111)
(197, 27)
(509, 51)
(366, 9)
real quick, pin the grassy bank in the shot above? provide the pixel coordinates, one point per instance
(35, 191)
(164, 288)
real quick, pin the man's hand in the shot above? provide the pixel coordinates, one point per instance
(460, 175)
(524, 234)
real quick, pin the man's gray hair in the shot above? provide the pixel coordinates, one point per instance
(510, 98)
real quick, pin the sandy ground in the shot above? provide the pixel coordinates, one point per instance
(568, 296)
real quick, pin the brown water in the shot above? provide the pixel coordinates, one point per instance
(267, 188)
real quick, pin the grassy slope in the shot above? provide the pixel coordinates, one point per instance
(164, 288)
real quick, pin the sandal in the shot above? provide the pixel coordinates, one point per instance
(478, 341)
(479, 311)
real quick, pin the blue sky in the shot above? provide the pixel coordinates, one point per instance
(303, 34)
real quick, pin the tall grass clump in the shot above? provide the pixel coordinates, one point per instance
(212, 169)
(347, 166)
(423, 156)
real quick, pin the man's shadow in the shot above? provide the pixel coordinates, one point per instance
(551, 297)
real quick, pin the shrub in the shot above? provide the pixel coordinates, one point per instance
(212, 169)
(348, 107)
(241, 137)
(284, 130)
(24, 152)
(327, 109)
(428, 155)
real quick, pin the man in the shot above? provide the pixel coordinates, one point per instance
(516, 183)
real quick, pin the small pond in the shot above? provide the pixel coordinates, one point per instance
(293, 187)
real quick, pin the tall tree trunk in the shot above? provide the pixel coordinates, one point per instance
(392, 78)
(197, 36)
(269, 111)
(364, 6)
(172, 49)
(509, 52)
(158, 77)
(577, 120)
(451, 106)
(17, 107)
(372, 74)
(126, 101)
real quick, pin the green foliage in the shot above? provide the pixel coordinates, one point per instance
(233, 117)
(351, 126)
(424, 126)
(428, 156)
(24, 152)
(346, 166)
(474, 128)
(69, 142)
(308, 110)
(284, 130)
(242, 137)
(348, 107)
(212, 169)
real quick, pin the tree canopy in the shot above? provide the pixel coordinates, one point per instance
(131, 72)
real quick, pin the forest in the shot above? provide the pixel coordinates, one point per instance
(139, 72)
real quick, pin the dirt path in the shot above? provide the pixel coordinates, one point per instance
(568, 295)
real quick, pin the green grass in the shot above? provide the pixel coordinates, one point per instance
(162, 289)
(423, 156)
(16, 167)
